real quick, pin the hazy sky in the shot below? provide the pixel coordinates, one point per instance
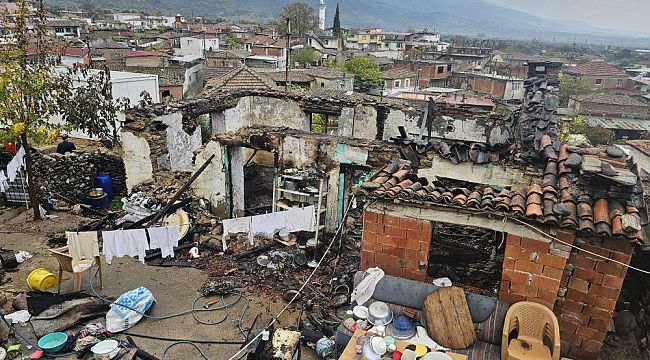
(630, 15)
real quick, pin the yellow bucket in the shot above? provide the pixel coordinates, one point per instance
(41, 279)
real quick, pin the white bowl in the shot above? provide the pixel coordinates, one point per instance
(360, 312)
(106, 349)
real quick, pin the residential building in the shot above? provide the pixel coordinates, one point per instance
(599, 74)
(383, 62)
(197, 45)
(398, 80)
(63, 28)
(525, 65)
(241, 78)
(75, 57)
(296, 79)
(609, 105)
(328, 78)
(220, 62)
(429, 73)
(469, 101)
(146, 59)
(385, 43)
(498, 86)
(266, 45)
(640, 84)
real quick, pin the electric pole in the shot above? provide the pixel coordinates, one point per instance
(288, 57)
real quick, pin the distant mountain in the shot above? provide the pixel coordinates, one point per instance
(470, 17)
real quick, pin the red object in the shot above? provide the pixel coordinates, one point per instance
(397, 355)
(10, 148)
(36, 354)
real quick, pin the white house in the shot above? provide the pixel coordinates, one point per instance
(196, 45)
(123, 85)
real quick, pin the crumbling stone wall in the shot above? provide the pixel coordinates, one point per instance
(73, 175)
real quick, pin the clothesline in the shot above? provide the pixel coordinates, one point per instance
(16, 163)
(119, 243)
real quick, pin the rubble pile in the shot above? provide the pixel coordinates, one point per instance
(72, 175)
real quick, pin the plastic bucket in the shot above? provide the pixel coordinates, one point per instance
(101, 202)
(41, 279)
(105, 182)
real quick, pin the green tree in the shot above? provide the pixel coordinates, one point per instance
(366, 74)
(233, 42)
(571, 86)
(305, 56)
(336, 29)
(33, 90)
(302, 16)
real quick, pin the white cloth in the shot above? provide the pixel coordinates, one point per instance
(15, 164)
(268, 224)
(3, 181)
(363, 292)
(164, 238)
(18, 317)
(422, 337)
(234, 226)
(82, 245)
(125, 243)
(300, 219)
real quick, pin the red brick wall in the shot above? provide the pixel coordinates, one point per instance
(490, 86)
(532, 269)
(397, 245)
(590, 288)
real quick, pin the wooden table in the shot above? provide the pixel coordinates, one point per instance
(349, 351)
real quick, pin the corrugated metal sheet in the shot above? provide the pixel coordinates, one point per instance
(618, 123)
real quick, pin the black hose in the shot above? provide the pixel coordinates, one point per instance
(218, 342)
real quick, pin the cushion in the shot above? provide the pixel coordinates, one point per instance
(481, 351)
(491, 330)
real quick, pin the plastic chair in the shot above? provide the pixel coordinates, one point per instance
(77, 268)
(530, 331)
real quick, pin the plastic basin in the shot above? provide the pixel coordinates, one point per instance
(41, 279)
(52, 342)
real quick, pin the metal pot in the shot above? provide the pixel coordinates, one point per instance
(379, 313)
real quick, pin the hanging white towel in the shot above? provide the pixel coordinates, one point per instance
(3, 181)
(268, 224)
(301, 219)
(125, 243)
(364, 290)
(165, 239)
(82, 245)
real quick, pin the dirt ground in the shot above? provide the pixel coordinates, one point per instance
(174, 289)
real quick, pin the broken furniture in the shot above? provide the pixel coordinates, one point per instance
(531, 331)
(349, 351)
(449, 322)
(77, 268)
(407, 297)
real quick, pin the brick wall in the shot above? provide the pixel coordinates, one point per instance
(490, 86)
(399, 246)
(532, 269)
(589, 290)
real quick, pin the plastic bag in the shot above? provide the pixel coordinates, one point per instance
(120, 318)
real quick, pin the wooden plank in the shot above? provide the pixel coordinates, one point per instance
(349, 351)
(449, 322)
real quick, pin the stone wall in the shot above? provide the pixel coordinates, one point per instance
(72, 175)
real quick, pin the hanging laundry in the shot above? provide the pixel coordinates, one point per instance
(125, 243)
(268, 224)
(300, 219)
(3, 181)
(164, 238)
(82, 245)
(16, 164)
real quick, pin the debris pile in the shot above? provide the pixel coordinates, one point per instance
(73, 175)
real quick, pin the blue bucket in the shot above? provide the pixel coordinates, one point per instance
(105, 182)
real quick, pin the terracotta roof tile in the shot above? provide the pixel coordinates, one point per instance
(601, 211)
